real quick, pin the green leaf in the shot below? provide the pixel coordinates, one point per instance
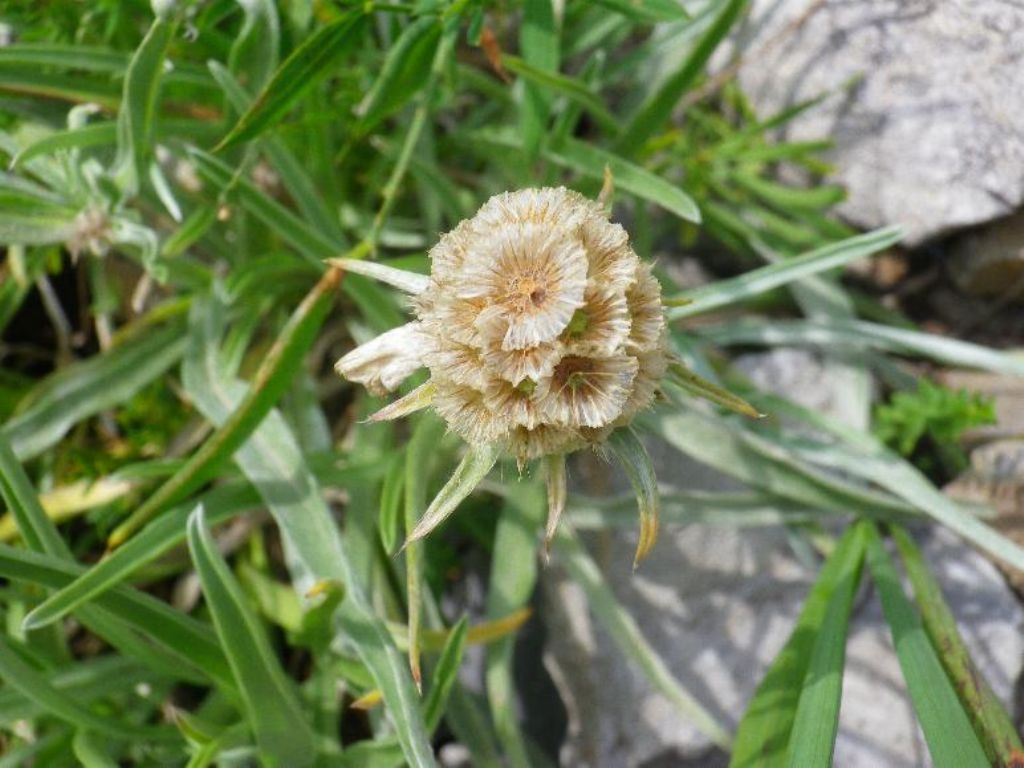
(154, 540)
(538, 41)
(254, 53)
(189, 641)
(627, 636)
(858, 334)
(298, 72)
(591, 161)
(732, 290)
(653, 115)
(817, 715)
(272, 379)
(314, 550)
(573, 89)
(445, 675)
(30, 219)
(763, 736)
(33, 685)
(993, 726)
(268, 696)
(90, 752)
(647, 11)
(93, 135)
(947, 729)
(84, 389)
(23, 503)
(405, 71)
(471, 470)
(698, 386)
(138, 104)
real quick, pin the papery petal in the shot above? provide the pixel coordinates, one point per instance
(603, 323)
(587, 391)
(518, 364)
(514, 403)
(466, 413)
(648, 318)
(383, 363)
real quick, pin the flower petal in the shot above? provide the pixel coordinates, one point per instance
(383, 363)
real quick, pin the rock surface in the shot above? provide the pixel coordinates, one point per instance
(717, 604)
(924, 102)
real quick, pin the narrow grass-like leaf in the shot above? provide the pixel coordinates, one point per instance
(700, 387)
(71, 88)
(90, 752)
(405, 70)
(839, 333)
(763, 736)
(298, 72)
(816, 720)
(730, 291)
(512, 580)
(445, 675)
(156, 539)
(138, 103)
(273, 378)
(995, 730)
(592, 161)
(947, 729)
(628, 637)
(271, 706)
(633, 456)
(33, 685)
(312, 245)
(647, 11)
(538, 41)
(653, 115)
(314, 550)
(471, 470)
(89, 387)
(564, 85)
(555, 479)
(93, 135)
(29, 219)
(417, 400)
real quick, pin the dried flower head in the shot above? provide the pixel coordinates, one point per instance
(542, 330)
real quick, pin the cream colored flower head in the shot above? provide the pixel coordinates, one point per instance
(542, 329)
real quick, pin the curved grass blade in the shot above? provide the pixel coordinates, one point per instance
(698, 386)
(816, 720)
(471, 470)
(627, 636)
(298, 72)
(573, 89)
(763, 735)
(94, 135)
(947, 729)
(268, 697)
(138, 104)
(538, 41)
(991, 723)
(154, 540)
(728, 292)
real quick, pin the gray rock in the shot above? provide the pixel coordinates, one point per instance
(718, 603)
(925, 102)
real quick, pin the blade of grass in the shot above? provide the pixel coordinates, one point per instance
(947, 729)
(538, 42)
(856, 334)
(269, 699)
(763, 735)
(816, 720)
(298, 72)
(728, 292)
(564, 85)
(991, 723)
(314, 549)
(471, 470)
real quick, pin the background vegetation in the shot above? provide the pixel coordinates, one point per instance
(201, 561)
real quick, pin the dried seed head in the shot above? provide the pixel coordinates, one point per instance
(540, 326)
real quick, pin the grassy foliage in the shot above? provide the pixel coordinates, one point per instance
(179, 180)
